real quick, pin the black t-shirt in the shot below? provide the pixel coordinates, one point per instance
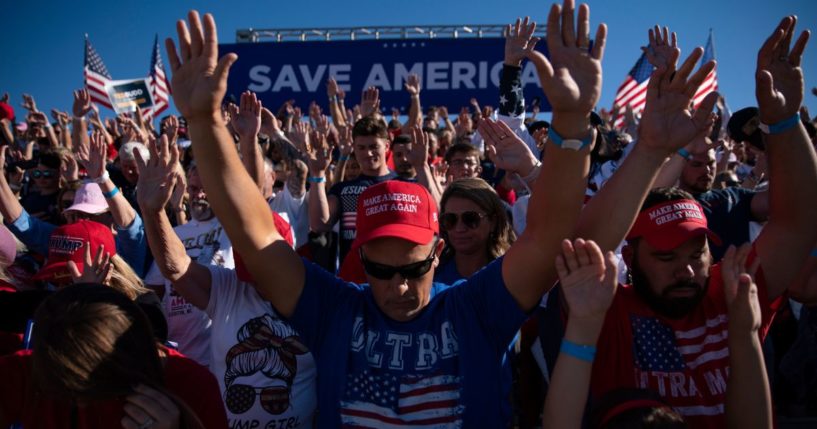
(347, 193)
(728, 213)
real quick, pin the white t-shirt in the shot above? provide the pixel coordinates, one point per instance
(296, 212)
(265, 372)
(206, 242)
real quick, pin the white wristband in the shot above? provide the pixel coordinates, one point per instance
(101, 179)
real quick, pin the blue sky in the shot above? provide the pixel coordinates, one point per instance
(44, 57)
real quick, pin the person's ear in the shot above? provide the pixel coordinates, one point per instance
(438, 251)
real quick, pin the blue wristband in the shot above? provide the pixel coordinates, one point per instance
(781, 126)
(343, 158)
(574, 144)
(684, 153)
(814, 253)
(109, 195)
(316, 179)
(580, 352)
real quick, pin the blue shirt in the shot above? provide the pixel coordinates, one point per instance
(728, 213)
(131, 242)
(444, 366)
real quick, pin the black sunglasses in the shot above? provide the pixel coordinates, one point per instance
(470, 219)
(42, 173)
(408, 271)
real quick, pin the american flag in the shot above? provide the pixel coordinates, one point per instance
(96, 75)
(385, 400)
(633, 91)
(659, 348)
(159, 85)
(710, 83)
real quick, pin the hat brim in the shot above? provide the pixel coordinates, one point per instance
(665, 240)
(56, 272)
(86, 208)
(411, 233)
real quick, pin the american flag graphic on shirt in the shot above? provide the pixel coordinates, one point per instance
(690, 366)
(393, 400)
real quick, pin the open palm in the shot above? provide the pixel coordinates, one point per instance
(157, 175)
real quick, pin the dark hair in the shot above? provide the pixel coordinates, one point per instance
(93, 342)
(394, 124)
(662, 195)
(483, 195)
(402, 139)
(370, 126)
(463, 148)
(50, 159)
(638, 408)
(536, 126)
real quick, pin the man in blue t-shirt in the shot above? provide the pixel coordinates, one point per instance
(404, 351)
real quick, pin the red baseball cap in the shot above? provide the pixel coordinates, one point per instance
(6, 111)
(670, 224)
(396, 209)
(283, 228)
(67, 243)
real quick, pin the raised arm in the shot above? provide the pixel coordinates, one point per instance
(419, 160)
(571, 80)
(667, 124)
(334, 102)
(10, 207)
(80, 108)
(412, 86)
(588, 282)
(199, 84)
(748, 397)
(94, 158)
(788, 237)
(323, 208)
(246, 120)
(157, 178)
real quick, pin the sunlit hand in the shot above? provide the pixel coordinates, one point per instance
(779, 78)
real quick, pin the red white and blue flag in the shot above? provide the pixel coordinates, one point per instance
(710, 83)
(96, 76)
(386, 400)
(159, 85)
(633, 91)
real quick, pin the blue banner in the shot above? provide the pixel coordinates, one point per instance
(451, 71)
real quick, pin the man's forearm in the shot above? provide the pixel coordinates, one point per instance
(166, 247)
(609, 215)
(79, 132)
(415, 112)
(10, 207)
(426, 178)
(121, 210)
(253, 161)
(748, 397)
(319, 215)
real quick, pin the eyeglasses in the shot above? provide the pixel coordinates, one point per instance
(241, 397)
(408, 272)
(470, 219)
(43, 173)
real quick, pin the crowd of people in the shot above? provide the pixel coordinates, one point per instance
(248, 269)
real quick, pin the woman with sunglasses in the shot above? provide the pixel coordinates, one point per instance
(475, 227)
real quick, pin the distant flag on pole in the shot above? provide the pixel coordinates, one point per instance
(633, 91)
(159, 85)
(96, 76)
(710, 83)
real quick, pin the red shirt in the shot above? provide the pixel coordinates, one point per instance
(188, 380)
(686, 361)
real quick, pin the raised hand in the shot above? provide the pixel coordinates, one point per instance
(318, 156)
(505, 149)
(371, 102)
(69, 169)
(94, 156)
(157, 175)
(96, 270)
(572, 77)
(322, 124)
(172, 129)
(418, 156)
(663, 48)
(667, 123)
(331, 87)
(588, 279)
(300, 136)
(519, 41)
(199, 77)
(29, 103)
(779, 78)
(412, 84)
(269, 123)
(246, 119)
(740, 291)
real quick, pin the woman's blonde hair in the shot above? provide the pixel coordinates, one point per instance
(125, 280)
